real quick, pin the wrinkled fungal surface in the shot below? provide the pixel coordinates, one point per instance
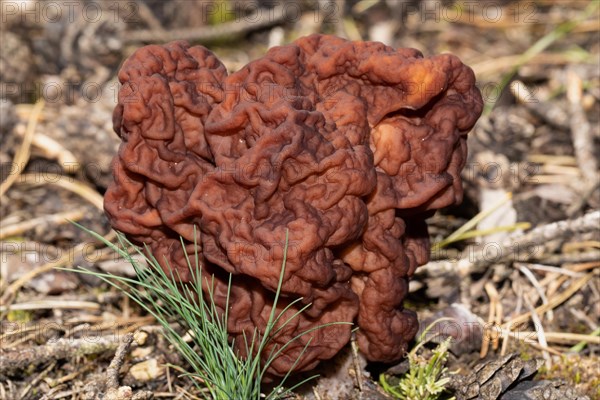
(348, 145)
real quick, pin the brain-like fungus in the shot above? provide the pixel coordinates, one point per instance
(349, 146)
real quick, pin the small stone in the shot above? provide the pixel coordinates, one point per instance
(147, 370)
(140, 337)
(142, 352)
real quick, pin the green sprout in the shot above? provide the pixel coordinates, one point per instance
(427, 377)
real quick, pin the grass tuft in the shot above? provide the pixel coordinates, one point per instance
(216, 370)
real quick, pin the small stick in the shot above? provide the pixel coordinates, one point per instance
(568, 338)
(540, 331)
(22, 155)
(552, 269)
(119, 323)
(578, 204)
(581, 130)
(37, 379)
(550, 112)
(51, 304)
(536, 284)
(316, 393)
(21, 359)
(112, 373)
(356, 363)
(553, 302)
(558, 259)
(510, 248)
(14, 287)
(261, 18)
(148, 16)
(554, 282)
(66, 183)
(111, 388)
(498, 320)
(560, 170)
(493, 295)
(51, 149)
(552, 159)
(579, 245)
(519, 291)
(54, 219)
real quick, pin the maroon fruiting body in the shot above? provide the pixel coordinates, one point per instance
(348, 145)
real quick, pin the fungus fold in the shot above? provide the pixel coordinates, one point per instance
(348, 145)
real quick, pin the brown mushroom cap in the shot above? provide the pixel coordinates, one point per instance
(348, 145)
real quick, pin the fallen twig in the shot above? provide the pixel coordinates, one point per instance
(56, 219)
(552, 302)
(22, 155)
(552, 113)
(110, 387)
(48, 147)
(541, 336)
(581, 130)
(259, 19)
(494, 317)
(112, 373)
(36, 380)
(578, 257)
(64, 259)
(51, 304)
(536, 284)
(66, 183)
(13, 361)
(517, 247)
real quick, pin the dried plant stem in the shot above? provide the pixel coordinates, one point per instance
(542, 44)
(260, 19)
(67, 183)
(493, 66)
(492, 320)
(63, 260)
(356, 364)
(22, 155)
(14, 287)
(553, 337)
(517, 247)
(536, 284)
(55, 219)
(541, 337)
(112, 373)
(53, 150)
(552, 159)
(551, 269)
(16, 360)
(51, 304)
(576, 257)
(580, 245)
(120, 324)
(36, 380)
(146, 14)
(471, 223)
(48, 147)
(581, 130)
(552, 302)
(555, 282)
